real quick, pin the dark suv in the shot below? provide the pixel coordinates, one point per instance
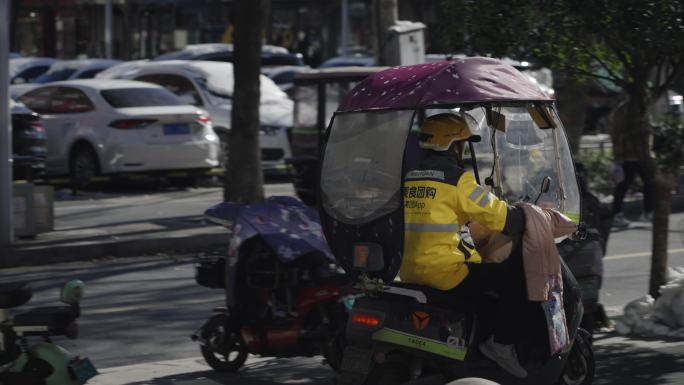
(28, 143)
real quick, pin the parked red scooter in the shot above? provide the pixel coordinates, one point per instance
(283, 290)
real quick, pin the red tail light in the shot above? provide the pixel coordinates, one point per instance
(37, 126)
(131, 124)
(203, 119)
(365, 320)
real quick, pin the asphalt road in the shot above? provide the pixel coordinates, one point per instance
(627, 262)
(145, 308)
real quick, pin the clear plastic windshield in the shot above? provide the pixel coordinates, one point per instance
(362, 166)
(525, 155)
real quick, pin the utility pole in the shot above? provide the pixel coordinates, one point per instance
(6, 227)
(387, 13)
(108, 29)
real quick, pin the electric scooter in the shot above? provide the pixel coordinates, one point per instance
(400, 333)
(40, 363)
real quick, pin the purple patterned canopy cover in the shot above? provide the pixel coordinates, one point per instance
(475, 79)
(289, 227)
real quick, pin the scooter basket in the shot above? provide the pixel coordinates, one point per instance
(211, 273)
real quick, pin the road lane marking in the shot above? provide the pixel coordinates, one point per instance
(642, 254)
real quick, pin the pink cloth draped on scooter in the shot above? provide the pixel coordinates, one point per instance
(540, 255)
(542, 267)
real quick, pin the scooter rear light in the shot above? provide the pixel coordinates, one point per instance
(365, 320)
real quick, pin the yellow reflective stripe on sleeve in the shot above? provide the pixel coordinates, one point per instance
(431, 227)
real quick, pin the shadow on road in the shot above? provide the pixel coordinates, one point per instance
(268, 372)
(623, 364)
(119, 187)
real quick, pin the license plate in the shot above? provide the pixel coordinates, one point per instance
(82, 370)
(176, 129)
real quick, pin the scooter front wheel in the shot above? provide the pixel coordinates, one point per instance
(223, 349)
(388, 373)
(580, 366)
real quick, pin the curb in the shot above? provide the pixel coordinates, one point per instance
(25, 255)
(635, 207)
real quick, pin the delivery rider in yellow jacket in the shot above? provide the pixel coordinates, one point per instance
(440, 198)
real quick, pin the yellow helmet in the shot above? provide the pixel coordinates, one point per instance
(439, 131)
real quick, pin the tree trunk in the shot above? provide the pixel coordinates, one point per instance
(244, 178)
(662, 205)
(636, 140)
(571, 97)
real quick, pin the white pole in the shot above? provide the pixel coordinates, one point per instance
(108, 29)
(6, 229)
(344, 38)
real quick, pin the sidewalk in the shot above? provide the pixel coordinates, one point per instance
(103, 226)
(619, 361)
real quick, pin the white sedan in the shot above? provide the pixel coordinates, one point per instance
(98, 126)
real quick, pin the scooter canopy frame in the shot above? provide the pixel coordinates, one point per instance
(372, 141)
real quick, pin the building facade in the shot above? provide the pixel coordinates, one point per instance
(147, 28)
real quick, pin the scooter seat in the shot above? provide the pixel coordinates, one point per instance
(14, 294)
(54, 317)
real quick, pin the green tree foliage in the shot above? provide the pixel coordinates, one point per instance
(668, 143)
(636, 44)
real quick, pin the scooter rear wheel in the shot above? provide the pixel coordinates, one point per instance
(224, 350)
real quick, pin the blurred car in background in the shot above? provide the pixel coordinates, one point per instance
(358, 60)
(283, 76)
(28, 143)
(75, 69)
(209, 85)
(119, 71)
(26, 69)
(271, 56)
(97, 126)
(66, 70)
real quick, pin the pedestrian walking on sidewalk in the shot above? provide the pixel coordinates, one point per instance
(626, 167)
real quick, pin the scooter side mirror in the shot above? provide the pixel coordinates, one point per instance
(546, 185)
(72, 292)
(368, 257)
